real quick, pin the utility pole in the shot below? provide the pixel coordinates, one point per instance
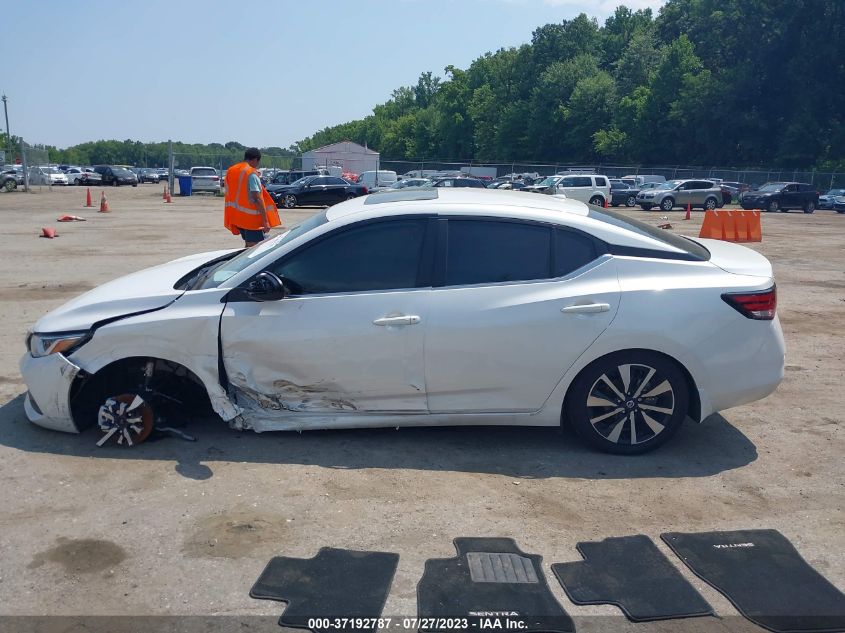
(8, 134)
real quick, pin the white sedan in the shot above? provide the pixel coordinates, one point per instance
(424, 307)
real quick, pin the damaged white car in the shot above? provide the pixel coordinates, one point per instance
(423, 307)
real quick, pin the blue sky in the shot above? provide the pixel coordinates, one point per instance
(267, 73)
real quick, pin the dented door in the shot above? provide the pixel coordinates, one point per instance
(328, 353)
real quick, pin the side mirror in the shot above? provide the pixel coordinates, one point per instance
(266, 287)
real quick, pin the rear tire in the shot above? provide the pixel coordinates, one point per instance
(597, 201)
(710, 204)
(809, 206)
(643, 409)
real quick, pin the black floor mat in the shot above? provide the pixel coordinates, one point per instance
(490, 581)
(633, 574)
(336, 583)
(764, 577)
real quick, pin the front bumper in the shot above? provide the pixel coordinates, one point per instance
(48, 380)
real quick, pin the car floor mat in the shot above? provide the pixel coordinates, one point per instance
(630, 572)
(490, 582)
(336, 583)
(764, 577)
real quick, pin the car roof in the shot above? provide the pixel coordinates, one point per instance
(483, 202)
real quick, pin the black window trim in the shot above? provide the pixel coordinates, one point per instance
(424, 272)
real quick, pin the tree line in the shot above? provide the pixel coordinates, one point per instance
(740, 83)
(705, 82)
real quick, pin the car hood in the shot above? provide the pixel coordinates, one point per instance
(148, 289)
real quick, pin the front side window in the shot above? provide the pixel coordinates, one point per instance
(489, 251)
(375, 256)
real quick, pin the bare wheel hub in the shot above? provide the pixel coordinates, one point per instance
(127, 419)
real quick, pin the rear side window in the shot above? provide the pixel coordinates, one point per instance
(601, 182)
(571, 251)
(375, 256)
(691, 250)
(489, 251)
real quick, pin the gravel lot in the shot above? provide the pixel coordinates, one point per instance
(174, 528)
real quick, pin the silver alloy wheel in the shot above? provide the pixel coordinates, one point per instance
(710, 204)
(631, 201)
(631, 404)
(667, 204)
(290, 201)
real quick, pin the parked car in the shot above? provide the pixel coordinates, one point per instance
(826, 201)
(89, 178)
(641, 179)
(8, 180)
(116, 176)
(839, 204)
(782, 196)
(315, 190)
(736, 188)
(546, 185)
(205, 179)
(375, 179)
(410, 182)
(148, 175)
(425, 307)
(45, 175)
(460, 182)
(17, 170)
(727, 193)
(620, 193)
(590, 188)
(288, 176)
(680, 193)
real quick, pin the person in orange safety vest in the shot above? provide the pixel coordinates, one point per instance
(250, 211)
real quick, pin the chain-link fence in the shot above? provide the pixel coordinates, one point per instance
(751, 176)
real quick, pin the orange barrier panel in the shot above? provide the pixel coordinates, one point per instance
(732, 226)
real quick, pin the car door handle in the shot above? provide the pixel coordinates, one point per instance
(397, 320)
(586, 308)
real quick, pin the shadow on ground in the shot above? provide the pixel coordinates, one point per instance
(699, 450)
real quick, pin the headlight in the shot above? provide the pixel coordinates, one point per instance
(45, 344)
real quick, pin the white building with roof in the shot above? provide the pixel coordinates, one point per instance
(346, 154)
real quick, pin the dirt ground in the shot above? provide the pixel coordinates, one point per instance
(173, 528)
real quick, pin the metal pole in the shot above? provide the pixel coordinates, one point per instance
(25, 170)
(8, 133)
(170, 165)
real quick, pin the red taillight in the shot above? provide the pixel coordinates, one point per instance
(754, 305)
(366, 191)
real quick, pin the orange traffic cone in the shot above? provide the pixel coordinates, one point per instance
(605, 203)
(48, 232)
(88, 198)
(689, 208)
(167, 197)
(104, 204)
(164, 193)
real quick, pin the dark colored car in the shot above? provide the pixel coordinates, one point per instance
(459, 182)
(782, 196)
(116, 176)
(827, 200)
(315, 190)
(621, 193)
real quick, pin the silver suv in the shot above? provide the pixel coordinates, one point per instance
(680, 193)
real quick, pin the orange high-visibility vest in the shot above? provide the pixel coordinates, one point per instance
(240, 212)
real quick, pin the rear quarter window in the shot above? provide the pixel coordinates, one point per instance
(690, 250)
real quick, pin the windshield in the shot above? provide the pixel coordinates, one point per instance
(669, 184)
(215, 274)
(696, 250)
(772, 186)
(548, 182)
(203, 171)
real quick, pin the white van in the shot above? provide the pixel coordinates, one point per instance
(375, 179)
(589, 188)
